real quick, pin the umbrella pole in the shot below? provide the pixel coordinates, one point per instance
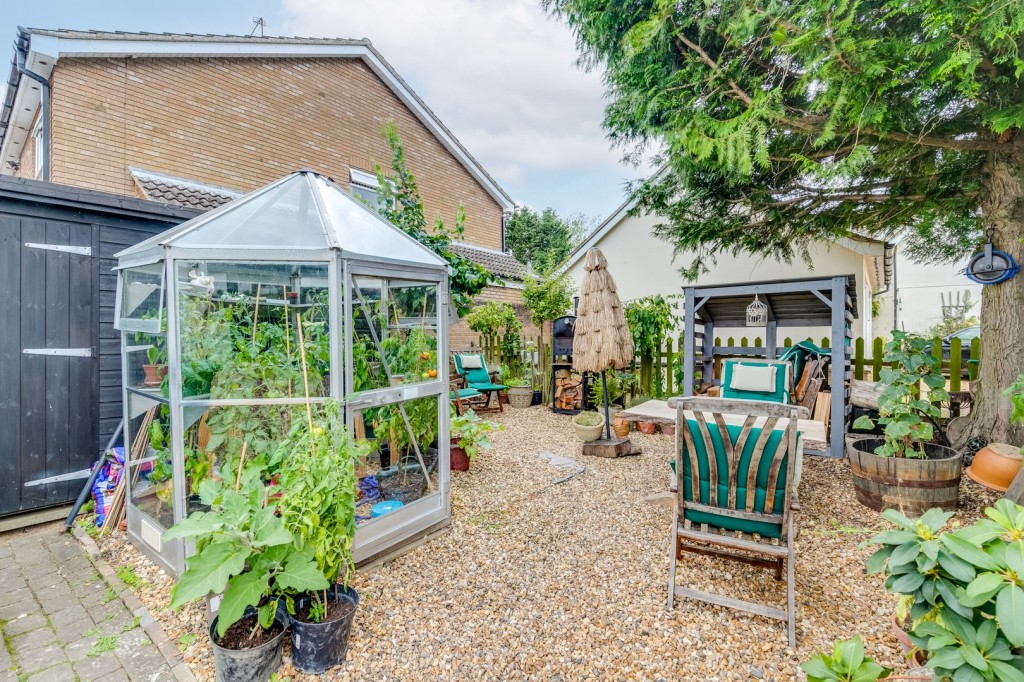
(604, 392)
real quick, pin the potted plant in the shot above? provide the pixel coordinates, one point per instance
(404, 480)
(588, 425)
(910, 468)
(317, 504)
(244, 551)
(156, 369)
(997, 464)
(469, 437)
(520, 391)
(966, 589)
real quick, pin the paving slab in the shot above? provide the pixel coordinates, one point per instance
(60, 619)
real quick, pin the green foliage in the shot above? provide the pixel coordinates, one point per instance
(471, 432)
(650, 320)
(782, 123)
(847, 663)
(547, 296)
(129, 577)
(951, 325)
(400, 204)
(244, 550)
(967, 588)
(1015, 392)
(619, 383)
(588, 419)
(317, 611)
(317, 485)
(910, 419)
(499, 321)
(542, 239)
(103, 644)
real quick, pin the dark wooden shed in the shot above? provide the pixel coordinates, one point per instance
(60, 358)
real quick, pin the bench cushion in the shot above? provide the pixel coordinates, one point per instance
(780, 394)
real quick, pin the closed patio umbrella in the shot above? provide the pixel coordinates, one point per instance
(602, 340)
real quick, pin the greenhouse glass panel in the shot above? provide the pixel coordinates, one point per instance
(239, 325)
(149, 462)
(285, 217)
(142, 299)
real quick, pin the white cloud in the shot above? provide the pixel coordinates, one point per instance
(499, 73)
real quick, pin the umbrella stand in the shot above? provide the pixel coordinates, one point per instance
(604, 392)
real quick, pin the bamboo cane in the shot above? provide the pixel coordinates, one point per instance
(241, 462)
(305, 375)
(256, 313)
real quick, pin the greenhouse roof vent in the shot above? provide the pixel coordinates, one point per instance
(303, 211)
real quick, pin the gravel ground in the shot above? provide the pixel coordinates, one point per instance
(545, 581)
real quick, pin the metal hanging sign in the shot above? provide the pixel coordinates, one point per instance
(991, 266)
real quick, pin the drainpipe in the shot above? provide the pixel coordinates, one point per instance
(44, 109)
(889, 275)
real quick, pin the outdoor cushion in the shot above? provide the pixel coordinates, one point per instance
(466, 393)
(780, 394)
(488, 387)
(765, 529)
(471, 362)
(753, 378)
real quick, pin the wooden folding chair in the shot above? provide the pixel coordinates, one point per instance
(742, 502)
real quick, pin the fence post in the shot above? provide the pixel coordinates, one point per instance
(668, 366)
(876, 359)
(972, 368)
(956, 360)
(858, 359)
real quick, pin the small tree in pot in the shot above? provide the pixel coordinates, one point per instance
(911, 468)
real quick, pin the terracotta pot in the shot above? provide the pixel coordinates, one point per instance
(459, 459)
(154, 375)
(995, 466)
(620, 427)
(647, 427)
(905, 644)
(668, 429)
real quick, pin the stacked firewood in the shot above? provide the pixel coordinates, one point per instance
(568, 390)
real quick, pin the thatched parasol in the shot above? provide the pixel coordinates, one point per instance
(601, 340)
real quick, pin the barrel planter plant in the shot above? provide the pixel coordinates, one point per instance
(911, 468)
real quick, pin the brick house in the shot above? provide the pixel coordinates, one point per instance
(198, 120)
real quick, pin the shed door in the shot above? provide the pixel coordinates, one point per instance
(48, 363)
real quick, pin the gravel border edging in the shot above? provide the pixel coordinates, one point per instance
(150, 625)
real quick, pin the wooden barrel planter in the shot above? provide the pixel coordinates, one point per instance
(911, 486)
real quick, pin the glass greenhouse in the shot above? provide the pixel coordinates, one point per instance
(293, 299)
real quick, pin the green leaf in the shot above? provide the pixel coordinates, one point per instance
(960, 627)
(898, 519)
(268, 529)
(208, 571)
(863, 422)
(935, 518)
(876, 563)
(1006, 672)
(968, 552)
(870, 672)
(893, 537)
(852, 653)
(905, 553)
(950, 598)
(986, 634)
(973, 657)
(1014, 557)
(818, 670)
(968, 674)
(198, 524)
(956, 567)
(267, 614)
(980, 590)
(949, 658)
(907, 583)
(982, 532)
(301, 574)
(1010, 614)
(243, 590)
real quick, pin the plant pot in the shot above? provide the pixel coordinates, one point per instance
(668, 429)
(906, 645)
(912, 486)
(995, 466)
(154, 375)
(257, 664)
(316, 647)
(520, 396)
(459, 460)
(588, 433)
(537, 397)
(620, 427)
(647, 427)
(405, 487)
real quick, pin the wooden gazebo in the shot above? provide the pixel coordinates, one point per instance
(813, 302)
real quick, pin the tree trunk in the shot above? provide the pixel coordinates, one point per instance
(1002, 305)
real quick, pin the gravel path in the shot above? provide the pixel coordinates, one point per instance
(545, 581)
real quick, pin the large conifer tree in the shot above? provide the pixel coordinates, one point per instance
(782, 122)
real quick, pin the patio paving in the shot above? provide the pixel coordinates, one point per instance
(61, 621)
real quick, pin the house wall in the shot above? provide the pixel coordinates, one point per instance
(642, 265)
(916, 304)
(242, 123)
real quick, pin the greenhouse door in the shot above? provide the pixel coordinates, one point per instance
(48, 361)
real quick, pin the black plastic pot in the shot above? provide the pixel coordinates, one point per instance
(316, 647)
(406, 487)
(248, 665)
(536, 398)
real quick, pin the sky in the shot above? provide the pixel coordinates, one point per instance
(499, 73)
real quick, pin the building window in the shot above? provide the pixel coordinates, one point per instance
(40, 148)
(365, 186)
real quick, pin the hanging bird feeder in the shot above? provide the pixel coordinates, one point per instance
(757, 313)
(991, 266)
